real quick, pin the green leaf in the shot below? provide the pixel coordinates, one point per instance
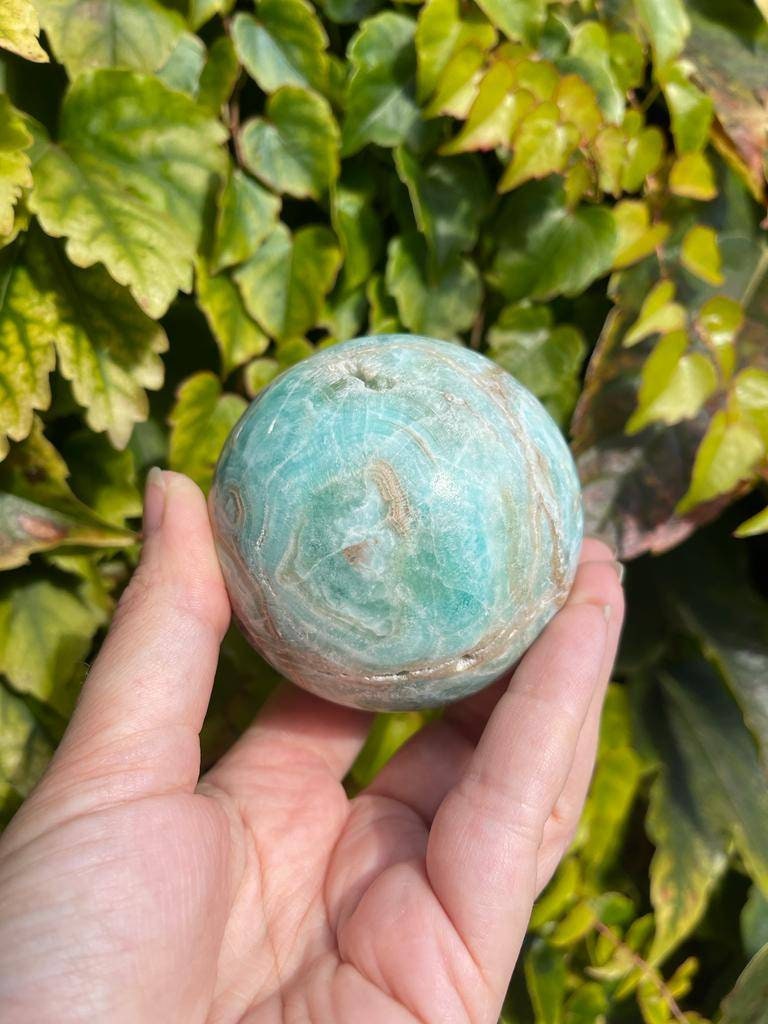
(284, 44)
(728, 454)
(644, 153)
(496, 109)
(201, 421)
(589, 55)
(247, 213)
(692, 176)
(754, 922)
(613, 788)
(458, 85)
(545, 249)
(39, 512)
(26, 353)
(690, 108)
(667, 26)
(219, 75)
(545, 357)
(446, 27)
(449, 199)
(184, 66)
(380, 103)
(388, 733)
(701, 255)
(284, 284)
(637, 236)
(47, 622)
(746, 1003)
(128, 181)
(587, 1005)
(690, 852)
(25, 750)
(659, 314)
(559, 895)
(545, 976)
(201, 11)
(103, 478)
(108, 348)
(675, 383)
(295, 148)
(541, 146)
(345, 11)
(730, 791)
(85, 34)
(238, 337)
(258, 374)
(517, 19)
(440, 305)
(356, 223)
(19, 29)
(15, 173)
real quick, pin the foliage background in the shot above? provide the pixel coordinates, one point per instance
(192, 198)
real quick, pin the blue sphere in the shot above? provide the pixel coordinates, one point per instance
(397, 519)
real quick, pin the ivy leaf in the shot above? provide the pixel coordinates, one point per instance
(546, 976)
(380, 102)
(546, 249)
(495, 111)
(295, 148)
(26, 353)
(284, 284)
(517, 19)
(246, 215)
(541, 145)
(731, 791)
(691, 175)
(128, 181)
(545, 357)
(700, 254)
(440, 305)
(15, 173)
(38, 510)
(19, 29)
(458, 85)
(690, 853)
(284, 44)
(85, 34)
(238, 337)
(675, 383)
(201, 421)
(728, 50)
(754, 922)
(729, 454)
(589, 56)
(746, 1003)
(637, 236)
(667, 26)
(690, 109)
(108, 348)
(356, 223)
(445, 27)
(345, 11)
(219, 75)
(185, 64)
(47, 621)
(449, 200)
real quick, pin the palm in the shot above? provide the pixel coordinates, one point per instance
(133, 892)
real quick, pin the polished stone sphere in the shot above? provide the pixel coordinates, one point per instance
(397, 519)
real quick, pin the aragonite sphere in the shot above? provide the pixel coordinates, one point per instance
(397, 519)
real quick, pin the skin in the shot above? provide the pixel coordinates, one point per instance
(132, 890)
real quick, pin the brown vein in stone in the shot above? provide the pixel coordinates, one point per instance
(392, 494)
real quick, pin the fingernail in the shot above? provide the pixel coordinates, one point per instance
(154, 501)
(619, 567)
(603, 540)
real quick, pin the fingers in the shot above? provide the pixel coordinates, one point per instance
(135, 728)
(294, 729)
(485, 839)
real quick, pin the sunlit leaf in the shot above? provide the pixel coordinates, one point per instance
(184, 66)
(728, 454)
(637, 236)
(284, 43)
(691, 175)
(19, 29)
(200, 423)
(690, 109)
(496, 110)
(445, 27)
(239, 338)
(517, 19)
(701, 255)
(667, 25)
(675, 383)
(15, 173)
(246, 215)
(356, 223)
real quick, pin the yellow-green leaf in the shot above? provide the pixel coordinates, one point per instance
(517, 19)
(659, 314)
(283, 44)
(239, 338)
(637, 236)
(728, 454)
(19, 29)
(201, 420)
(496, 110)
(754, 525)
(675, 384)
(246, 215)
(692, 176)
(457, 87)
(444, 28)
(700, 254)
(541, 145)
(15, 173)
(667, 26)
(690, 109)
(128, 181)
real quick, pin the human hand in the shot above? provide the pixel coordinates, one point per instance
(132, 891)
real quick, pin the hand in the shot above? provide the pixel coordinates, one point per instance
(132, 891)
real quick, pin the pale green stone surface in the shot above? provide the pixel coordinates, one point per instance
(397, 519)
